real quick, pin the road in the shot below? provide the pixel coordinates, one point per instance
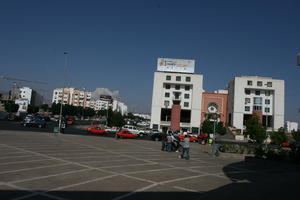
(36, 164)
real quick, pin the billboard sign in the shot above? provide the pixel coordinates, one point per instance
(175, 65)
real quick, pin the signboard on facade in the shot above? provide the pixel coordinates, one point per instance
(175, 65)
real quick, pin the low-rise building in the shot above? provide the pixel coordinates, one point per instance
(71, 96)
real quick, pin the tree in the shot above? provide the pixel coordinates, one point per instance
(221, 129)
(32, 109)
(45, 107)
(296, 135)
(279, 136)
(255, 130)
(11, 107)
(207, 126)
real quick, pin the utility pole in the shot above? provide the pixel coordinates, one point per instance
(63, 92)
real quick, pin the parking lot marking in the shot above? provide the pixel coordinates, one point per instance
(24, 156)
(26, 161)
(20, 170)
(52, 175)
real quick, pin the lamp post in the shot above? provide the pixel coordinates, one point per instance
(298, 59)
(214, 146)
(63, 91)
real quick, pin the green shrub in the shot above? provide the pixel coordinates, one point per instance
(279, 136)
(296, 135)
(255, 130)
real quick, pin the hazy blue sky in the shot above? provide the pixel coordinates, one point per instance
(115, 44)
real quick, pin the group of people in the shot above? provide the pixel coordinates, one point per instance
(171, 143)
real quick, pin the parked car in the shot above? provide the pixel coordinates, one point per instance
(191, 137)
(34, 121)
(96, 130)
(124, 133)
(134, 130)
(157, 136)
(70, 121)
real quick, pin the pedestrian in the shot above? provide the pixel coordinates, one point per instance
(169, 143)
(163, 141)
(63, 126)
(185, 148)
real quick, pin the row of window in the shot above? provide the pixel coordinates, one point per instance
(185, 104)
(257, 92)
(186, 96)
(257, 100)
(178, 78)
(247, 108)
(177, 87)
(259, 83)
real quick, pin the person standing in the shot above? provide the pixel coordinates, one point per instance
(164, 141)
(185, 148)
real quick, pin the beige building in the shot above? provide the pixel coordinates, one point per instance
(72, 96)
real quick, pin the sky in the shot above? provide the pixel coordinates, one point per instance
(115, 44)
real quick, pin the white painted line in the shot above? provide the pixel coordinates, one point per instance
(186, 189)
(52, 175)
(32, 168)
(24, 156)
(124, 165)
(84, 182)
(99, 161)
(20, 162)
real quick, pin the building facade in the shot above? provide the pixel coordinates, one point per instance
(72, 96)
(290, 126)
(215, 104)
(260, 96)
(176, 98)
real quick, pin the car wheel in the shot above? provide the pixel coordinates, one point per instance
(24, 125)
(156, 139)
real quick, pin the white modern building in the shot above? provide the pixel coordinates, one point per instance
(72, 96)
(177, 96)
(23, 105)
(290, 126)
(253, 95)
(119, 107)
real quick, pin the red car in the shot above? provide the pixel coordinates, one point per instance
(97, 130)
(192, 138)
(70, 121)
(126, 134)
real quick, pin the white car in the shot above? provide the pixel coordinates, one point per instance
(133, 129)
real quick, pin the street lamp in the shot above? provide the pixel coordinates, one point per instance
(214, 116)
(298, 59)
(63, 92)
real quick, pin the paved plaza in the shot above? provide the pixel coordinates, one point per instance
(40, 165)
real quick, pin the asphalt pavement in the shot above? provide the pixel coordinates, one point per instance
(39, 164)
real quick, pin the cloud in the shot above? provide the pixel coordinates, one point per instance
(104, 91)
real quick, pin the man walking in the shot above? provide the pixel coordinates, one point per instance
(186, 148)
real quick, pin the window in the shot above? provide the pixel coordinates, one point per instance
(247, 100)
(267, 101)
(186, 104)
(256, 107)
(168, 78)
(247, 108)
(267, 93)
(178, 78)
(257, 100)
(269, 84)
(186, 96)
(168, 86)
(188, 79)
(267, 110)
(249, 82)
(187, 87)
(177, 87)
(247, 91)
(167, 94)
(257, 92)
(259, 83)
(166, 103)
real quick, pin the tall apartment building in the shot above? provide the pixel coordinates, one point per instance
(72, 96)
(177, 96)
(260, 96)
